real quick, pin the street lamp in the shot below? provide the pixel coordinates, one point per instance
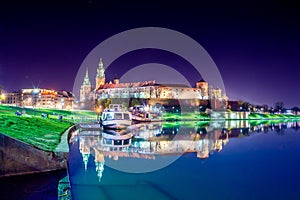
(98, 112)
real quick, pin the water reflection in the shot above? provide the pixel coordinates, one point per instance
(148, 141)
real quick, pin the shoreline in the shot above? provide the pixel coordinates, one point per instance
(58, 158)
(21, 158)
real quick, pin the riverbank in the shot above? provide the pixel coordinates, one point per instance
(41, 128)
(19, 158)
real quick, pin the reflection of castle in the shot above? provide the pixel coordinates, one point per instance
(202, 144)
(148, 90)
(85, 145)
(203, 141)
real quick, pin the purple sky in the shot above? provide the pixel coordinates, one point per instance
(255, 45)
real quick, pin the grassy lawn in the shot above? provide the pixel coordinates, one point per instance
(43, 133)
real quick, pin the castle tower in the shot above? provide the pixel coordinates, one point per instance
(86, 88)
(218, 102)
(203, 86)
(100, 77)
(116, 80)
(218, 93)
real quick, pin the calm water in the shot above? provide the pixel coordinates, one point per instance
(221, 161)
(31, 187)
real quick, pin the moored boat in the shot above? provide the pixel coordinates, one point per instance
(143, 114)
(115, 118)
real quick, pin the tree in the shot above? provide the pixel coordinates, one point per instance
(295, 109)
(0, 94)
(1, 90)
(279, 106)
(135, 102)
(244, 105)
(104, 103)
(265, 107)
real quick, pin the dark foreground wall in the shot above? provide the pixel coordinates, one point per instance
(17, 158)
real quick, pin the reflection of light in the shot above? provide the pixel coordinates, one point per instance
(99, 169)
(85, 160)
(35, 91)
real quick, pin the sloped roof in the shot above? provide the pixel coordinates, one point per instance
(127, 85)
(202, 81)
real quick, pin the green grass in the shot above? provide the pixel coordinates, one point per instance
(43, 133)
(71, 116)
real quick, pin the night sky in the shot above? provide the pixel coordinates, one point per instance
(256, 46)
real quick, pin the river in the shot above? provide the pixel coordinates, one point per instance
(189, 160)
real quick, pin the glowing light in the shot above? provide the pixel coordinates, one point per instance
(36, 91)
(2, 97)
(98, 110)
(146, 108)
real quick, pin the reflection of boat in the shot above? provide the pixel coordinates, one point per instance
(144, 114)
(116, 138)
(115, 117)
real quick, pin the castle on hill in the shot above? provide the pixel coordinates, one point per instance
(149, 90)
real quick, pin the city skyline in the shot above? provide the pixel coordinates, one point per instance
(255, 46)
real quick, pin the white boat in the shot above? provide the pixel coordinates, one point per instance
(142, 113)
(115, 117)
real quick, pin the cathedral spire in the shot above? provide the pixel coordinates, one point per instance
(100, 77)
(86, 78)
(101, 63)
(100, 70)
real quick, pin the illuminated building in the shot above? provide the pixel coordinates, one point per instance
(12, 98)
(203, 86)
(40, 98)
(86, 88)
(148, 90)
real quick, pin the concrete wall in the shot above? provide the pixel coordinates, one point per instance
(17, 157)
